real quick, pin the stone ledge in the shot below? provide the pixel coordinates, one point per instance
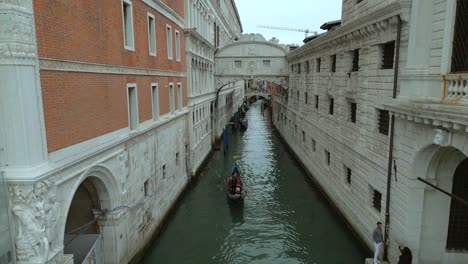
(371, 261)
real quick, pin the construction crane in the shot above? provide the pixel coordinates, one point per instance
(306, 31)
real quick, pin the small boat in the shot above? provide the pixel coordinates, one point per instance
(234, 185)
(244, 124)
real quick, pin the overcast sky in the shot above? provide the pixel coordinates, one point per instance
(303, 14)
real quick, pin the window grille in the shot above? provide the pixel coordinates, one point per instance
(266, 63)
(316, 102)
(384, 121)
(331, 106)
(298, 68)
(327, 156)
(319, 62)
(333, 63)
(314, 145)
(348, 175)
(353, 112)
(457, 238)
(377, 200)
(355, 60)
(307, 67)
(238, 64)
(460, 38)
(388, 55)
(305, 96)
(303, 136)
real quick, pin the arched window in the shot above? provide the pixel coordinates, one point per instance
(457, 238)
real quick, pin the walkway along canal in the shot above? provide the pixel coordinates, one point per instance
(284, 218)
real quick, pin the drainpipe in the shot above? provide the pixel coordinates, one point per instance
(392, 134)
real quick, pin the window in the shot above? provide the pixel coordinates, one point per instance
(316, 102)
(460, 39)
(303, 136)
(353, 109)
(151, 35)
(314, 145)
(132, 106)
(327, 157)
(388, 55)
(318, 64)
(348, 175)
(266, 63)
(333, 63)
(177, 44)
(355, 60)
(164, 171)
(238, 64)
(298, 68)
(305, 97)
(331, 105)
(155, 100)
(169, 42)
(377, 200)
(307, 67)
(297, 95)
(384, 119)
(292, 68)
(146, 188)
(171, 97)
(177, 158)
(179, 96)
(127, 13)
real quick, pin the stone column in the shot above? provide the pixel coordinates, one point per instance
(23, 144)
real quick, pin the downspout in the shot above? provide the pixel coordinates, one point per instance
(392, 135)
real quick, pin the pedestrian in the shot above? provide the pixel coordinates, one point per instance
(406, 256)
(378, 239)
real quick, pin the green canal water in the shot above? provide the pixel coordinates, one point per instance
(284, 218)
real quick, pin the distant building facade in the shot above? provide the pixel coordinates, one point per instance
(383, 97)
(95, 121)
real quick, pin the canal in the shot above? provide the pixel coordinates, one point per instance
(284, 219)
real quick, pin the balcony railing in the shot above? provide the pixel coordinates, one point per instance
(456, 86)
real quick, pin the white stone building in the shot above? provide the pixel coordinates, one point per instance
(209, 26)
(389, 60)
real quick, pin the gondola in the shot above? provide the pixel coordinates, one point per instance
(244, 124)
(234, 185)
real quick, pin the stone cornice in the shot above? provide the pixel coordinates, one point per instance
(74, 66)
(166, 11)
(266, 43)
(361, 29)
(195, 36)
(430, 112)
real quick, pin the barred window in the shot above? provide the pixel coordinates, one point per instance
(384, 121)
(348, 175)
(333, 63)
(314, 145)
(327, 157)
(377, 200)
(238, 64)
(307, 67)
(298, 68)
(331, 105)
(353, 109)
(388, 55)
(305, 96)
(355, 60)
(316, 102)
(318, 64)
(303, 136)
(266, 63)
(460, 38)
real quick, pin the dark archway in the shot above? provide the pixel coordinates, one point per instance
(457, 238)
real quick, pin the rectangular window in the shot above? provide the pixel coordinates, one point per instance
(353, 109)
(127, 13)
(177, 45)
(388, 55)
(164, 171)
(348, 175)
(333, 63)
(292, 68)
(238, 64)
(331, 105)
(327, 157)
(266, 63)
(177, 158)
(303, 136)
(151, 35)
(298, 68)
(355, 56)
(384, 121)
(169, 42)
(179, 96)
(155, 100)
(377, 200)
(132, 106)
(305, 96)
(314, 145)
(318, 64)
(297, 96)
(316, 102)
(307, 67)
(146, 188)
(171, 97)
(460, 39)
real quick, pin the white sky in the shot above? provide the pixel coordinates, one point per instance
(303, 14)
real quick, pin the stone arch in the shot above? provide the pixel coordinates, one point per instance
(102, 187)
(438, 165)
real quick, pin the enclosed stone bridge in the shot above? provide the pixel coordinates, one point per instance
(260, 63)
